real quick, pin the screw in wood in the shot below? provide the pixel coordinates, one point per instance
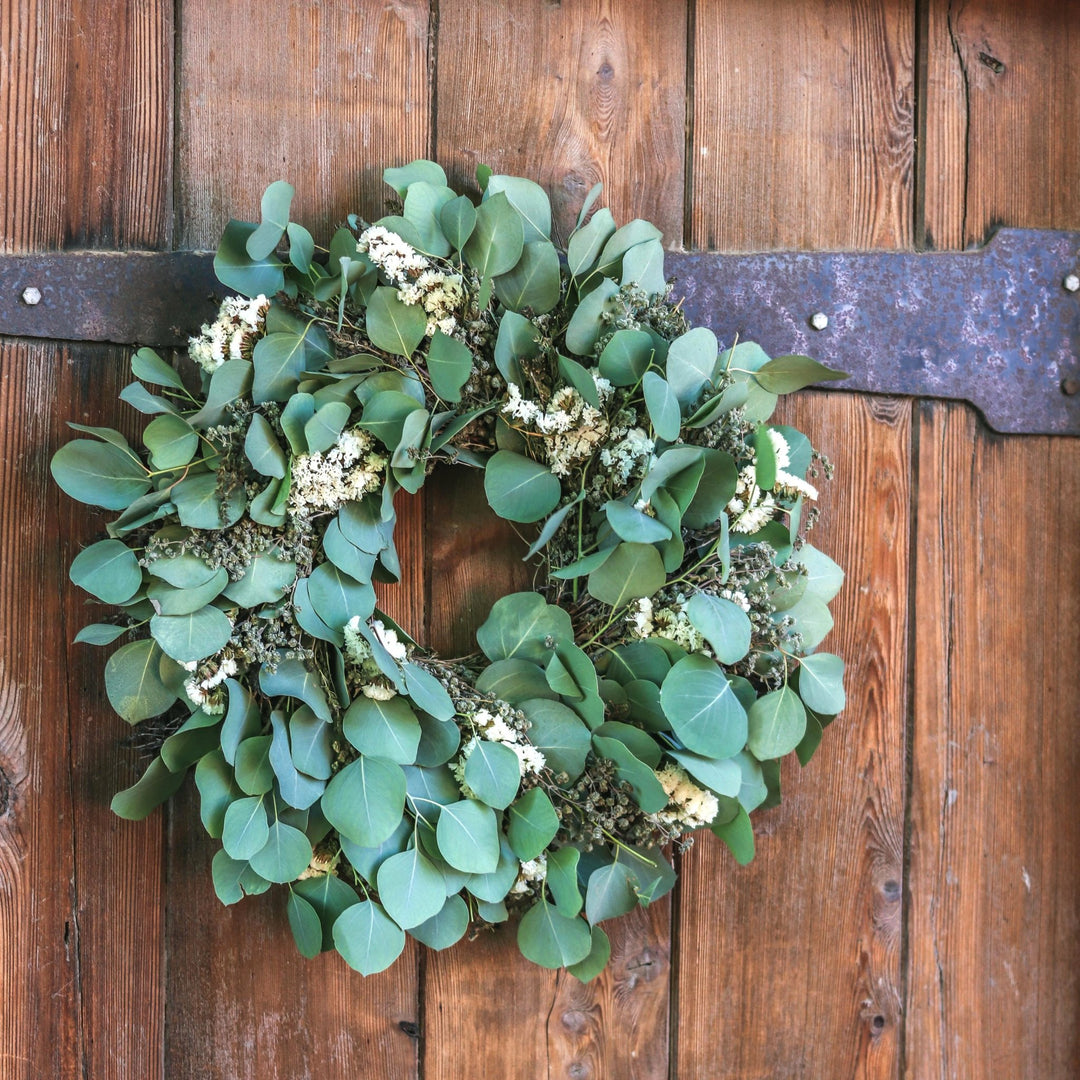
(31, 295)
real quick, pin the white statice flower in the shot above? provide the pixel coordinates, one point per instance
(530, 759)
(344, 473)
(793, 486)
(573, 428)
(673, 622)
(358, 655)
(531, 871)
(780, 448)
(232, 335)
(640, 618)
(442, 296)
(399, 261)
(751, 508)
(630, 458)
(689, 806)
(788, 483)
(389, 640)
(201, 691)
(736, 596)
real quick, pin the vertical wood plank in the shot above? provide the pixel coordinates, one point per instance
(323, 95)
(566, 95)
(85, 123)
(85, 154)
(995, 860)
(1002, 126)
(569, 95)
(995, 865)
(791, 966)
(802, 125)
(326, 96)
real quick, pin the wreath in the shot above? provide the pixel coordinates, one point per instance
(648, 687)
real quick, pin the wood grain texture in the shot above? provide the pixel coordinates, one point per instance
(322, 95)
(802, 133)
(85, 154)
(994, 869)
(80, 892)
(599, 94)
(569, 95)
(790, 967)
(85, 124)
(1001, 117)
(995, 859)
(327, 95)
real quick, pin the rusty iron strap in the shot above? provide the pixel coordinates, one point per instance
(997, 327)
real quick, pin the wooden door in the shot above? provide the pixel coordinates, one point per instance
(912, 908)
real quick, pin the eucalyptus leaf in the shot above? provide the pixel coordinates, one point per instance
(276, 200)
(237, 270)
(133, 683)
(495, 243)
(634, 570)
(468, 836)
(365, 800)
(152, 789)
(703, 709)
(99, 474)
(821, 683)
(785, 374)
(777, 723)
(551, 939)
(367, 938)
(394, 327)
(108, 570)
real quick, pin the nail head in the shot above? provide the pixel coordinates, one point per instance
(31, 295)
(819, 320)
(1072, 282)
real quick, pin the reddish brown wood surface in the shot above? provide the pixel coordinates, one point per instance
(600, 106)
(325, 96)
(995, 864)
(911, 910)
(793, 963)
(85, 156)
(802, 125)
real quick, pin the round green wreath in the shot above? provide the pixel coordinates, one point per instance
(646, 690)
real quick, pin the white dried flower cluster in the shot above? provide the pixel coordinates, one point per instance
(573, 428)
(494, 725)
(640, 618)
(673, 622)
(345, 472)
(399, 261)
(201, 691)
(689, 807)
(753, 508)
(232, 335)
(736, 596)
(442, 297)
(788, 483)
(532, 870)
(358, 655)
(629, 458)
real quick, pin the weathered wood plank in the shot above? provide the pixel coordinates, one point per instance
(85, 153)
(569, 95)
(322, 95)
(85, 124)
(995, 866)
(792, 964)
(802, 125)
(1002, 126)
(577, 93)
(995, 860)
(326, 97)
